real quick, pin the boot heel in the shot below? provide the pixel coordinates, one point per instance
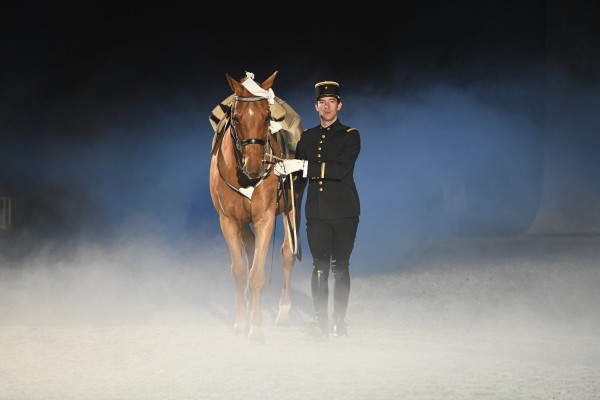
(339, 329)
(319, 328)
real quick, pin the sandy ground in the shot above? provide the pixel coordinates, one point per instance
(468, 319)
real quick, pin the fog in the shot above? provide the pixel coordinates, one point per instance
(498, 318)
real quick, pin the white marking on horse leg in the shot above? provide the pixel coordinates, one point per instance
(283, 316)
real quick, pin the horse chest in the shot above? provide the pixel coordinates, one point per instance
(237, 206)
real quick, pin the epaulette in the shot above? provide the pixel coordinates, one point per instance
(350, 130)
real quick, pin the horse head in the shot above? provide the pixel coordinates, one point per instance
(250, 118)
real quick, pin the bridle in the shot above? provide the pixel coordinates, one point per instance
(267, 143)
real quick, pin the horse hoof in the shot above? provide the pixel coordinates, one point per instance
(239, 329)
(256, 336)
(282, 321)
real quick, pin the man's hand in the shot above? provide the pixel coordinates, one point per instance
(287, 167)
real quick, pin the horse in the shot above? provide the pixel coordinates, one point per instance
(248, 197)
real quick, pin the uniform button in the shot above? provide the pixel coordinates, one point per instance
(319, 148)
(318, 155)
(320, 189)
(320, 182)
(323, 136)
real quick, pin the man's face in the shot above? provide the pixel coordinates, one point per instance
(327, 107)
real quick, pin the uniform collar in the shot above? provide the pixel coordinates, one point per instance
(331, 128)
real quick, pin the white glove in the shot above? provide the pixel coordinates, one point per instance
(286, 167)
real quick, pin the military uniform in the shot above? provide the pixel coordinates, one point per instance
(331, 154)
(332, 211)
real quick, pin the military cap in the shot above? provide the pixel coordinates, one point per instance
(327, 88)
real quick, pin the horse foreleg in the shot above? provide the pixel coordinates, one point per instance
(247, 237)
(239, 271)
(240, 276)
(257, 279)
(248, 241)
(287, 258)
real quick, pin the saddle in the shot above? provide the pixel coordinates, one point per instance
(282, 112)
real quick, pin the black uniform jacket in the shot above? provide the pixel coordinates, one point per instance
(331, 154)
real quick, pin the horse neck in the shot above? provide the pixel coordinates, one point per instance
(227, 154)
(226, 157)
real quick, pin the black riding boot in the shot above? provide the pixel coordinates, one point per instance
(341, 294)
(320, 295)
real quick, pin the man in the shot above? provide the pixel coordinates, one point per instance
(326, 155)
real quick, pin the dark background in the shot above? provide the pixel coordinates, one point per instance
(476, 118)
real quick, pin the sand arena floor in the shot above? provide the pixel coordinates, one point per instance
(471, 319)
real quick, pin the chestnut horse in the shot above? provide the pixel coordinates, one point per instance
(248, 197)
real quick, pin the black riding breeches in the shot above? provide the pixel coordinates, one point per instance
(331, 242)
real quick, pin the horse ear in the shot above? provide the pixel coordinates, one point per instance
(235, 85)
(269, 82)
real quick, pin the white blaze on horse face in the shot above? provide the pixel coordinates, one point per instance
(253, 131)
